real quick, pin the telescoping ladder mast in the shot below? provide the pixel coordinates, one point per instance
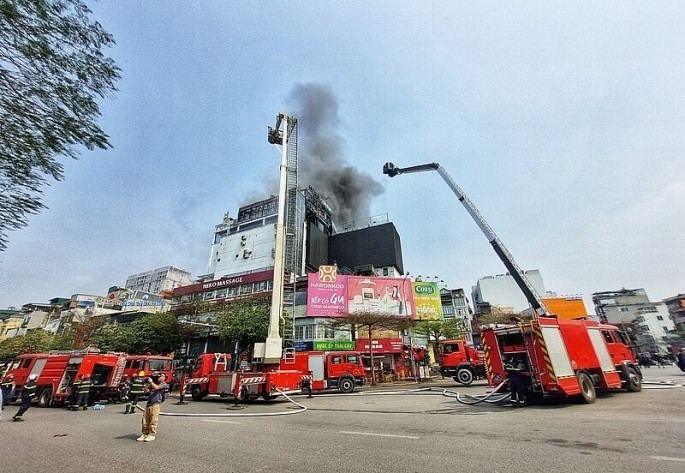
(526, 287)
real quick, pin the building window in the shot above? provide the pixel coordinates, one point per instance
(659, 317)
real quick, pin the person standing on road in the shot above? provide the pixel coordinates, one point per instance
(681, 359)
(135, 391)
(7, 387)
(73, 399)
(28, 392)
(84, 391)
(124, 388)
(155, 388)
(515, 369)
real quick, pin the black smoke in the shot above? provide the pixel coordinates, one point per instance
(321, 162)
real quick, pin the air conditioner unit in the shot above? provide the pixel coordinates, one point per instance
(246, 254)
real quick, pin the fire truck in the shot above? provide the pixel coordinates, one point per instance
(341, 370)
(149, 364)
(211, 375)
(57, 370)
(561, 357)
(461, 361)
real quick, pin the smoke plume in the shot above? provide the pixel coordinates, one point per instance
(321, 162)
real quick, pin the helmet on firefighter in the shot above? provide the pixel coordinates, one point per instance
(125, 376)
(86, 376)
(141, 374)
(33, 377)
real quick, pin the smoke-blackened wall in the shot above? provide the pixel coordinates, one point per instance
(322, 163)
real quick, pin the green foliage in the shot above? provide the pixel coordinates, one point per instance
(244, 320)
(35, 341)
(435, 329)
(155, 333)
(52, 71)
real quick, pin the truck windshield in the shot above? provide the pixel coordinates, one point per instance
(160, 365)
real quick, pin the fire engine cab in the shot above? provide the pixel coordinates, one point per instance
(461, 361)
(341, 370)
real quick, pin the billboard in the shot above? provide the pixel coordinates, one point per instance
(427, 300)
(384, 295)
(326, 293)
(332, 295)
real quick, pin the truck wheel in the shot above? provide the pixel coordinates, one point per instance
(269, 397)
(45, 398)
(633, 383)
(587, 389)
(464, 376)
(196, 393)
(346, 385)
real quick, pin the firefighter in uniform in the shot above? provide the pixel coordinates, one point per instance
(135, 391)
(515, 367)
(7, 387)
(84, 391)
(73, 399)
(124, 387)
(28, 392)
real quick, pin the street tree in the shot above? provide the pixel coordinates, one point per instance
(52, 71)
(158, 334)
(244, 321)
(436, 330)
(368, 322)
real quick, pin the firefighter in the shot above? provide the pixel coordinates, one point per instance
(73, 399)
(515, 367)
(83, 391)
(135, 391)
(28, 392)
(7, 387)
(124, 387)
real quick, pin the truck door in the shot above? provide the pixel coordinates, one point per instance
(37, 367)
(316, 366)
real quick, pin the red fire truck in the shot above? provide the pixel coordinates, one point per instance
(57, 370)
(567, 357)
(563, 357)
(341, 370)
(461, 361)
(149, 364)
(315, 370)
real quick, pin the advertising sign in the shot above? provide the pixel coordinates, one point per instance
(384, 295)
(384, 345)
(427, 301)
(326, 294)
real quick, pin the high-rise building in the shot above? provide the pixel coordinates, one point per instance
(159, 281)
(501, 291)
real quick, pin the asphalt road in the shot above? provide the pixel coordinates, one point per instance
(410, 428)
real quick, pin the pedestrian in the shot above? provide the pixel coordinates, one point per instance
(7, 387)
(658, 360)
(515, 367)
(135, 391)
(84, 391)
(73, 398)
(681, 359)
(155, 388)
(28, 392)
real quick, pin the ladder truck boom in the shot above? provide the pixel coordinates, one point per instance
(526, 287)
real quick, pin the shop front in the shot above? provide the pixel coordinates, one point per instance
(391, 359)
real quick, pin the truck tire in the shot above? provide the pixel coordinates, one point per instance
(633, 381)
(196, 393)
(464, 376)
(587, 389)
(346, 385)
(45, 397)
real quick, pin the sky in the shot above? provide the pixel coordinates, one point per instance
(563, 122)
